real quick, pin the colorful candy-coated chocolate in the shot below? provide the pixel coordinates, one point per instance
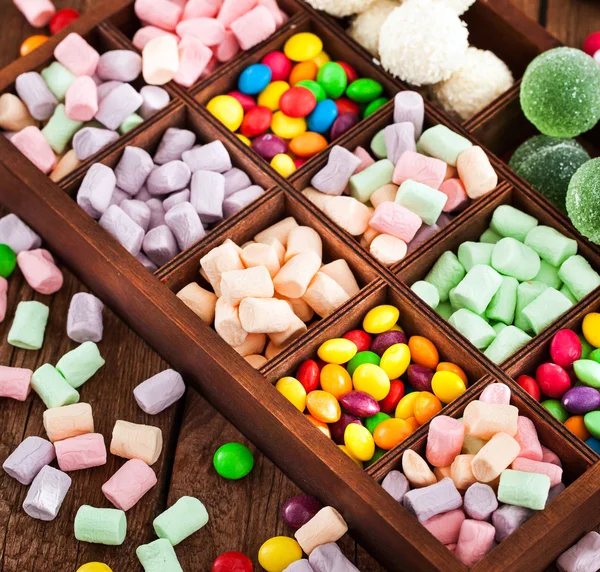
(360, 358)
(371, 423)
(303, 46)
(380, 319)
(280, 65)
(297, 511)
(297, 102)
(359, 441)
(580, 400)
(576, 425)
(389, 403)
(356, 461)
(283, 164)
(322, 117)
(592, 423)
(374, 106)
(364, 90)
(293, 391)
(256, 121)
(323, 427)
(287, 127)
(94, 567)
(591, 329)
(343, 123)
(371, 379)
(427, 406)
(8, 260)
(277, 553)
(383, 341)
(323, 406)
(232, 562)
(337, 350)
(565, 348)
(271, 96)
(303, 71)
(530, 385)
(553, 380)
(556, 409)
(420, 377)
(406, 406)
(314, 87)
(592, 43)
(333, 79)
(254, 79)
(227, 110)
(308, 144)
(339, 427)
(247, 101)
(391, 432)
(308, 375)
(322, 59)
(423, 352)
(447, 386)
(361, 339)
(233, 461)
(346, 105)
(62, 19)
(268, 146)
(395, 360)
(447, 366)
(32, 43)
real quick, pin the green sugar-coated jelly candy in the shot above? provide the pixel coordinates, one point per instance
(376, 456)
(556, 409)
(560, 92)
(8, 260)
(372, 422)
(360, 358)
(583, 200)
(233, 461)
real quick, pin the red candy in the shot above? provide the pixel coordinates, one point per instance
(62, 19)
(388, 405)
(592, 44)
(256, 121)
(346, 106)
(350, 72)
(297, 102)
(280, 64)
(530, 386)
(360, 338)
(553, 380)
(247, 101)
(299, 161)
(232, 562)
(309, 374)
(565, 348)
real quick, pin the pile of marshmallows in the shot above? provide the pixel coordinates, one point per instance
(270, 288)
(492, 455)
(158, 207)
(401, 197)
(184, 40)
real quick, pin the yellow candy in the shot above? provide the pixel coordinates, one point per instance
(380, 319)
(287, 127)
(336, 380)
(283, 164)
(243, 139)
(447, 386)
(94, 567)
(591, 329)
(337, 350)
(271, 95)
(227, 110)
(322, 59)
(359, 442)
(323, 406)
(396, 328)
(32, 43)
(302, 47)
(277, 553)
(371, 379)
(293, 391)
(395, 360)
(347, 452)
(406, 407)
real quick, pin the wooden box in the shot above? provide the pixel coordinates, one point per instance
(247, 397)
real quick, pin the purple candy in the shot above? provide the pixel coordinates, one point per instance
(360, 404)
(420, 377)
(339, 427)
(430, 501)
(383, 341)
(343, 123)
(580, 400)
(396, 485)
(159, 391)
(480, 501)
(298, 510)
(267, 146)
(28, 459)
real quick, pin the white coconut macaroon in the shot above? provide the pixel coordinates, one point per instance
(341, 8)
(423, 42)
(482, 77)
(459, 6)
(365, 27)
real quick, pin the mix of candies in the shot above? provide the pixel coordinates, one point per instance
(402, 197)
(292, 104)
(159, 206)
(82, 102)
(186, 40)
(568, 385)
(266, 292)
(372, 388)
(519, 278)
(490, 475)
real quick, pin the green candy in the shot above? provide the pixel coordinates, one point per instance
(579, 276)
(545, 309)
(490, 237)
(519, 488)
(498, 327)
(446, 274)
(181, 520)
(29, 325)
(100, 525)
(503, 304)
(551, 246)
(60, 130)
(233, 461)
(376, 456)
(473, 327)
(548, 275)
(333, 79)
(58, 79)
(591, 421)
(8, 260)
(564, 290)
(586, 347)
(374, 106)
(130, 123)
(507, 221)
(472, 253)
(508, 340)
(80, 364)
(588, 372)
(556, 409)
(375, 176)
(378, 145)
(445, 310)
(443, 143)
(595, 356)
(158, 556)
(360, 358)
(423, 200)
(52, 387)
(314, 87)
(364, 90)
(527, 292)
(583, 198)
(372, 422)
(427, 292)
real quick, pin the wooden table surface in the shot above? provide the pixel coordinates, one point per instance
(242, 514)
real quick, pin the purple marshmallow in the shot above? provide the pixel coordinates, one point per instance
(16, 234)
(96, 190)
(157, 213)
(119, 65)
(84, 320)
(168, 178)
(174, 143)
(583, 556)
(399, 137)
(176, 199)
(121, 226)
(435, 499)
(28, 459)
(89, 140)
(155, 98)
(334, 177)
(160, 245)
(185, 224)
(235, 180)
(210, 157)
(241, 199)
(396, 485)
(509, 518)
(133, 169)
(35, 94)
(118, 105)
(46, 494)
(409, 106)
(328, 557)
(138, 211)
(159, 391)
(207, 195)
(480, 501)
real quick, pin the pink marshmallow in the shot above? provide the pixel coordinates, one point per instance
(527, 438)
(498, 393)
(476, 539)
(211, 67)
(15, 382)
(444, 441)
(228, 48)
(394, 219)
(40, 271)
(160, 13)
(365, 159)
(32, 143)
(193, 59)
(77, 55)
(148, 33)
(129, 484)
(37, 12)
(451, 547)
(210, 31)
(446, 527)
(254, 27)
(231, 10)
(201, 9)
(553, 471)
(81, 100)
(82, 452)
(549, 456)
(456, 193)
(419, 168)
(3, 298)
(272, 6)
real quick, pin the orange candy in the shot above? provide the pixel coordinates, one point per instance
(391, 432)
(32, 43)
(323, 427)
(336, 380)
(323, 406)
(412, 424)
(576, 425)
(308, 144)
(447, 366)
(303, 71)
(423, 352)
(427, 406)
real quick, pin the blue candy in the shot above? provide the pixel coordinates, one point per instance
(594, 444)
(323, 116)
(254, 79)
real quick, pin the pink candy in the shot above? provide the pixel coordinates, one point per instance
(446, 527)
(32, 143)
(82, 99)
(148, 33)
(211, 32)
(394, 219)
(201, 9)
(37, 12)
(553, 471)
(3, 298)
(82, 452)
(231, 10)
(497, 393)
(253, 27)
(160, 13)
(444, 441)
(456, 193)
(15, 382)
(228, 48)
(419, 168)
(193, 59)
(77, 55)
(129, 484)
(40, 271)
(527, 438)
(475, 541)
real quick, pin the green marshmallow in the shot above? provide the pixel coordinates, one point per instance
(512, 258)
(52, 387)
(509, 221)
(546, 308)
(375, 176)
(548, 275)
(588, 372)
(529, 490)
(58, 79)
(579, 277)
(490, 237)
(472, 253)
(427, 292)
(185, 517)
(100, 525)
(476, 290)
(60, 130)
(446, 274)
(421, 199)
(78, 365)
(442, 143)
(130, 123)
(568, 294)
(551, 245)
(508, 340)
(158, 556)
(378, 145)
(473, 327)
(29, 325)
(527, 292)
(498, 327)
(504, 303)
(445, 310)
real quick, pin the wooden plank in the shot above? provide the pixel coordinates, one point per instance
(531, 8)
(571, 22)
